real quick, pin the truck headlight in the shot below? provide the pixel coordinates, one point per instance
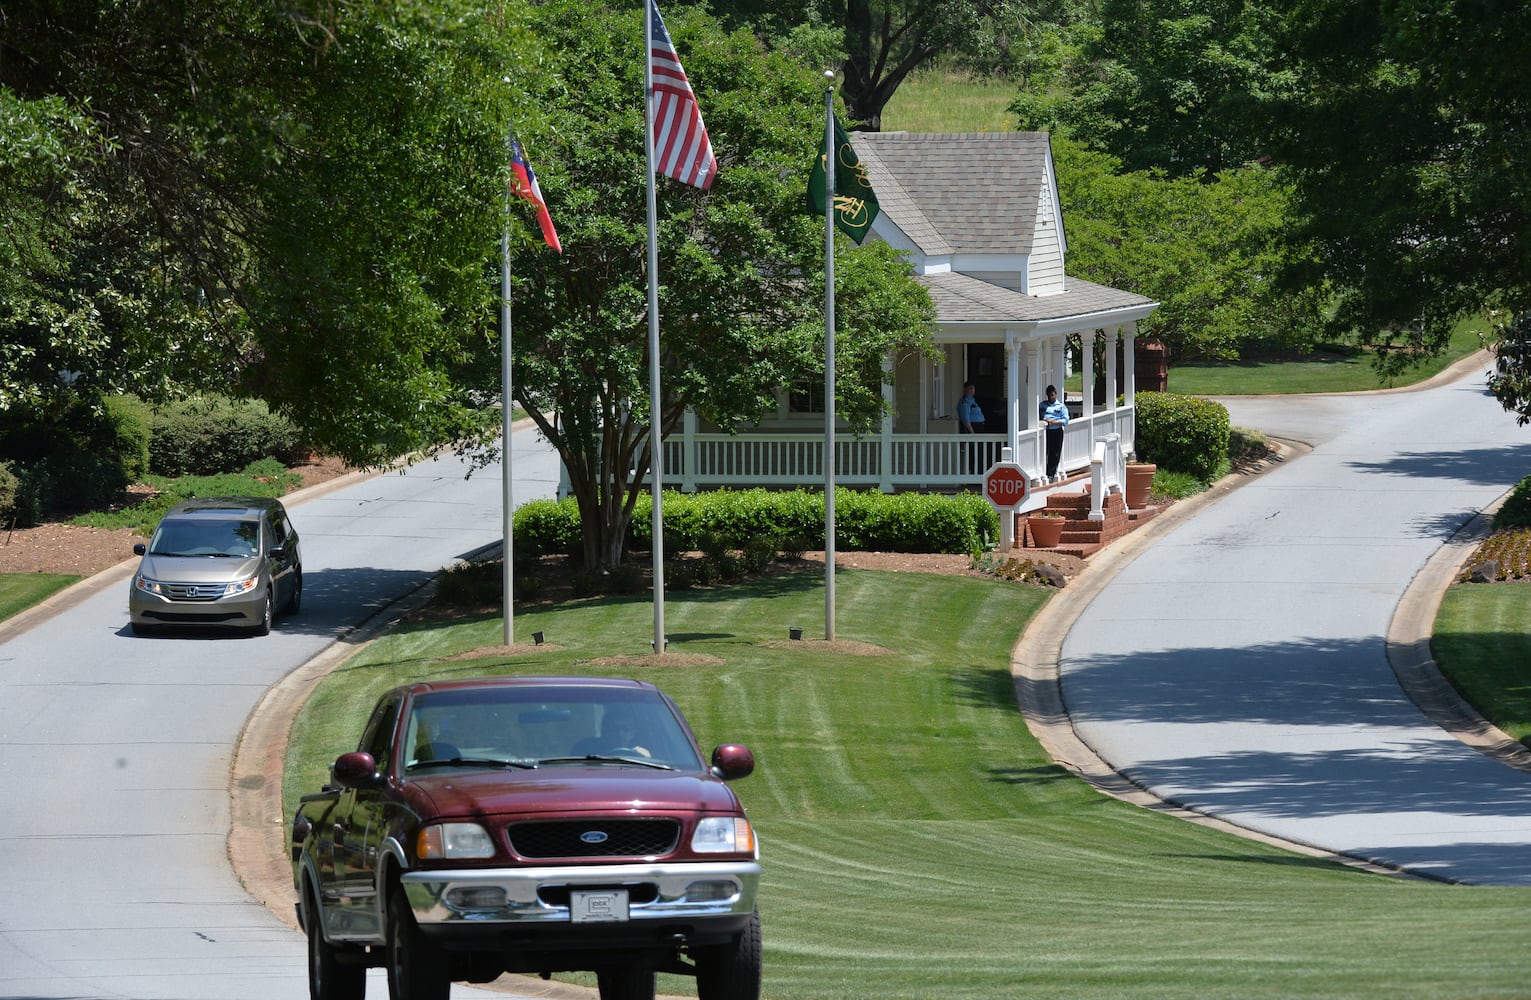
(723, 835)
(454, 840)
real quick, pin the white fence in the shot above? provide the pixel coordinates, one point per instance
(888, 462)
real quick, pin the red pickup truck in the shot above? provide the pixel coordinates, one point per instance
(531, 825)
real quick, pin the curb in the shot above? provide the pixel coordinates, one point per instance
(1034, 667)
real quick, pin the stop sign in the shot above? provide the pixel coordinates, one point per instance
(1006, 485)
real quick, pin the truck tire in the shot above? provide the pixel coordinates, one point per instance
(417, 969)
(731, 971)
(328, 977)
(625, 983)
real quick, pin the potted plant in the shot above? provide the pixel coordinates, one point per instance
(1046, 529)
(1140, 483)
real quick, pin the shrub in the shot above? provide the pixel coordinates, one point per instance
(1246, 446)
(544, 526)
(128, 424)
(1182, 433)
(8, 486)
(722, 521)
(1515, 512)
(208, 435)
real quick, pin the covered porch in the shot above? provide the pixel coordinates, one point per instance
(918, 446)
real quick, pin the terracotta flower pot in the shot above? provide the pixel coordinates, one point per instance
(1140, 482)
(1046, 531)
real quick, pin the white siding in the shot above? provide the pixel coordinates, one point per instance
(1046, 275)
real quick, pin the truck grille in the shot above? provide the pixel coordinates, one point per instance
(595, 838)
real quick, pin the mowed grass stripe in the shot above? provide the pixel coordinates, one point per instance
(918, 844)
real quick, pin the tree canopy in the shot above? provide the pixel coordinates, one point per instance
(740, 266)
(1405, 131)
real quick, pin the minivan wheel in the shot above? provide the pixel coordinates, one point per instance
(263, 627)
(295, 599)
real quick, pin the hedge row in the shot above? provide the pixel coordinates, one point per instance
(731, 519)
(85, 458)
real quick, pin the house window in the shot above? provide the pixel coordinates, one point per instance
(806, 397)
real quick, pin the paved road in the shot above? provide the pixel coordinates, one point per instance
(115, 753)
(1239, 666)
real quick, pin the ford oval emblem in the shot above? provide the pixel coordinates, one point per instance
(593, 836)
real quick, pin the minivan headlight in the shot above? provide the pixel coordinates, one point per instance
(241, 587)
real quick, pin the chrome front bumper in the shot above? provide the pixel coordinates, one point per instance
(539, 896)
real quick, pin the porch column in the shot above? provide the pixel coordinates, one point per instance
(1111, 369)
(688, 451)
(885, 446)
(1129, 363)
(1038, 460)
(1087, 375)
(1012, 391)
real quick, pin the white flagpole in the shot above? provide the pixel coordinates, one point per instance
(656, 451)
(507, 573)
(830, 155)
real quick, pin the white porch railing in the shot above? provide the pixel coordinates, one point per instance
(887, 462)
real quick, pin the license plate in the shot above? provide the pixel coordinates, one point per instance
(604, 907)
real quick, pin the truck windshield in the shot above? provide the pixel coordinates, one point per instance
(531, 726)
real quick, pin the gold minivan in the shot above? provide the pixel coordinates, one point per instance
(223, 561)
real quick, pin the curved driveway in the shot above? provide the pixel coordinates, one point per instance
(115, 750)
(1239, 666)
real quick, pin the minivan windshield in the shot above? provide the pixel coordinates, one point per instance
(206, 536)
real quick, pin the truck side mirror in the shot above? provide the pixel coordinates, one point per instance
(730, 761)
(356, 769)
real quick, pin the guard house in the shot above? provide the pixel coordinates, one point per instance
(979, 218)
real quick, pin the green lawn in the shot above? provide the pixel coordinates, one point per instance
(941, 101)
(19, 591)
(1336, 368)
(1483, 646)
(918, 843)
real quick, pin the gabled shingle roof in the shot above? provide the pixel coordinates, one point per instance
(975, 192)
(959, 298)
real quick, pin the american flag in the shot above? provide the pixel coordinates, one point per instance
(681, 147)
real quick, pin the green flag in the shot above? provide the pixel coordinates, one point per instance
(855, 201)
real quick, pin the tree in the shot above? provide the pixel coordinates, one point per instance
(1169, 85)
(1405, 132)
(740, 266)
(881, 42)
(1209, 253)
(297, 199)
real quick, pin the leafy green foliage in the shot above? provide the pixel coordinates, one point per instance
(1510, 381)
(206, 435)
(1182, 433)
(1403, 130)
(130, 419)
(1163, 85)
(1209, 253)
(737, 323)
(9, 484)
(728, 520)
(263, 478)
(1515, 512)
